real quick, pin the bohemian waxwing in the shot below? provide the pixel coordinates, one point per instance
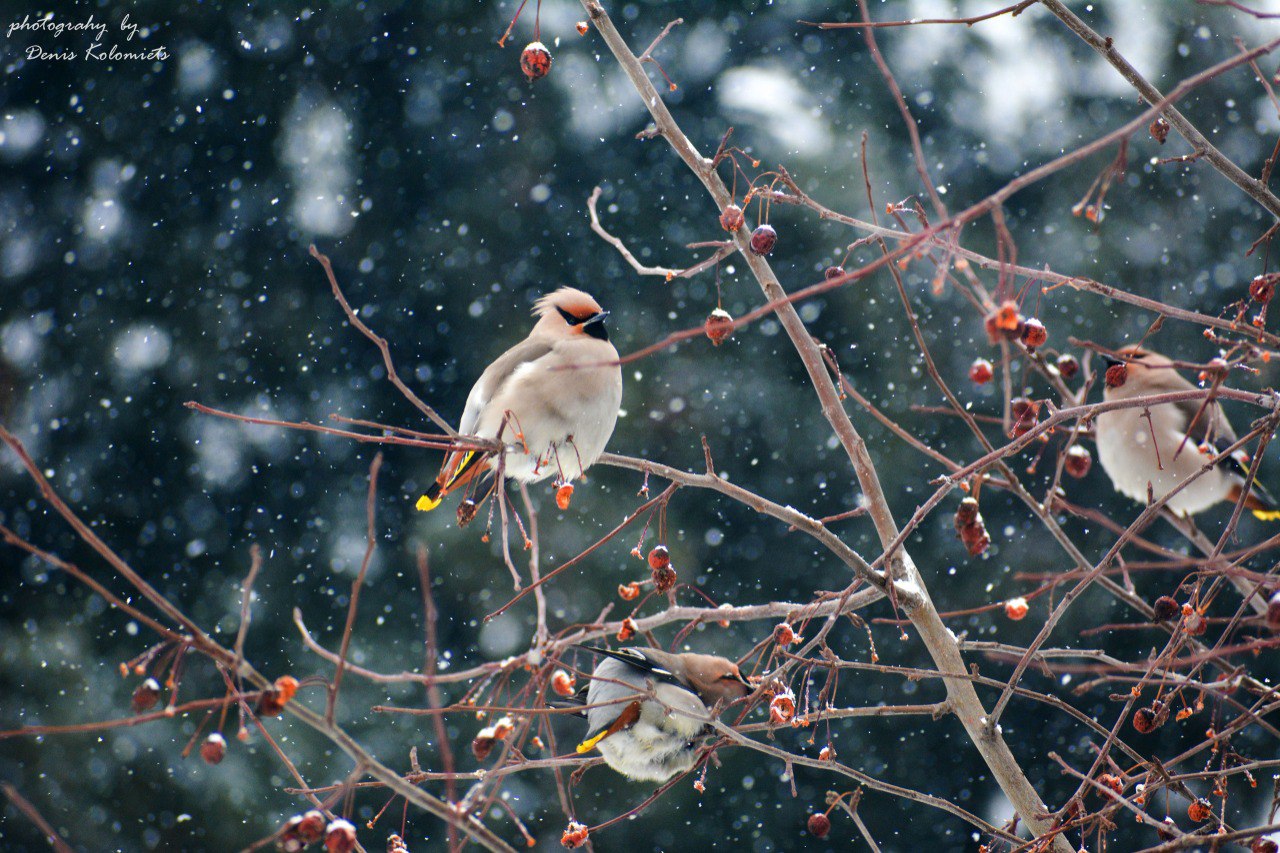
(1178, 441)
(653, 706)
(554, 397)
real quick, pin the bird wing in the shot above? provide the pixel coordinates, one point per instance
(495, 376)
(649, 661)
(1205, 423)
(1211, 425)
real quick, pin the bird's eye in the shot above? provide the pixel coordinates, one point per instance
(1138, 355)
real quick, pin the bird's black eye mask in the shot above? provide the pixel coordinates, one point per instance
(594, 323)
(570, 319)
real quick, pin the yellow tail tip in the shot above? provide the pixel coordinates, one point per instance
(1267, 514)
(590, 743)
(426, 503)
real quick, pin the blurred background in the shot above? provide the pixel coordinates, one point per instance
(156, 220)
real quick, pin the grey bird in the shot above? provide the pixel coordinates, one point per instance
(553, 399)
(1177, 442)
(646, 708)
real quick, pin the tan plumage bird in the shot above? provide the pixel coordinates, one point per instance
(1178, 442)
(654, 736)
(554, 397)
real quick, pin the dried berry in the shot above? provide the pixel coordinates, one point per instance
(1263, 845)
(482, 744)
(582, 28)
(1034, 334)
(1016, 608)
(340, 837)
(833, 272)
(629, 591)
(981, 371)
(1165, 608)
(1025, 414)
(1200, 811)
(1194, 623)
(1159, 129)
(827, 753)
(563, 495)
(1215, 371)
(270, 702)
(819, 825)
(731, 218)
(967, 513)
(146, 696)
(466, 512)
(1263, 287)
(782, 708)
(1078, 461)
(718, 326)
(214, 749)
(1111, 781)
(535, 60)
(311, 826)
(1004, 323)
(395, 844)
(563, 682)
(664, 578)
(575, 834)
(627, 631)
(783, 635)
(1144, 720)
(970, 526)
(288, 687)
(659, 557)
(1169, 833)
(1068, 366)
(1273, 612)
(1117, 375)
(289, 840)
(763, 239)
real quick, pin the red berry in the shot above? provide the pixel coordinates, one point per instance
(563, 495)
(1166, 608)
(582, 28)
(1200, 811)
(629, 591)
(1117, 374)
(719, 326)
(1263, 845)
(659, 557)
(1016, 609)
(981, 371)
(214, 749)
(146, 696)
(763, 239)
(563, 682)
(1078, 462)
(535, 60)
(664, 578)
(1111, 781)
(466, 512)
(1159, 129)
(575, 834)
(731, 218)
(1004, 322)
(819, 825)
(782, 708)
(340, 837)
(833, 272)
(784, 635)
(1026, 413)
(1034, 334)
(1068, 366)
(310, 826)
(1263, 287)
(482, 743)
(1144, 720)
(627, 631)
(967, 513)
(1273, 612)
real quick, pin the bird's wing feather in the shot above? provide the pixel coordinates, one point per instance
(643, 660)
(1208, 425)
(495, 376)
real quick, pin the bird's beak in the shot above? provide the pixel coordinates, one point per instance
(1111, 362)
(594, 326)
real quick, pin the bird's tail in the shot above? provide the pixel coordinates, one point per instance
(1259, 502)
(458, 469)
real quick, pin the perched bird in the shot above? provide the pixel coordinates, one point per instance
(652, 737)
(1175, 443)
(553, 399)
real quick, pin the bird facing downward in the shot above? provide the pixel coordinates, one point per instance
(653, 736)
(553, 399)
(1174, 444)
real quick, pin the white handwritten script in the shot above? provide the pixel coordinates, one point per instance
(96, 47)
